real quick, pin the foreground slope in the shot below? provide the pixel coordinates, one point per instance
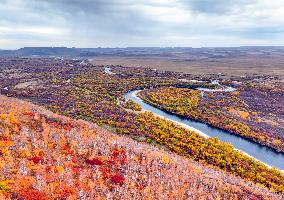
(47, 156)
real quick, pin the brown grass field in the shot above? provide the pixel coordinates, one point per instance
(240, 66)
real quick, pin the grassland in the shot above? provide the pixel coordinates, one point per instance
(236, 66)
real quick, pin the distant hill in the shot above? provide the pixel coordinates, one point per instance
(220, 52)
(40, 51)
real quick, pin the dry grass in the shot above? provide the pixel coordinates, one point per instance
(228, 66)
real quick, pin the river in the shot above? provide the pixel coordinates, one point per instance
(108, 71)
(265, 154)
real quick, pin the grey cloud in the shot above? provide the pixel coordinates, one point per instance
(123, 22)
(3, 2)
(266, 32)
(85, 17)
(74, 7)
(88, 8)
(219, 7)
(111, 17)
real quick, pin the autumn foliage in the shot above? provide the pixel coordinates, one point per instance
(46, 156)
(223, 110)
(50, 156)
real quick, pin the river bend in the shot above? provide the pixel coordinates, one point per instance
(265, 154)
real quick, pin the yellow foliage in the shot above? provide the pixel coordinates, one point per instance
(166, 159)
(6, 144)
(23, 153)
(278, 142)
(254, 113)
(244, 114)
(60, 169)
(3, 187)
(274, 123)
(2, 163)
(13, 119)
(236, 93)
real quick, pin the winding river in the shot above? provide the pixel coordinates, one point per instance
(108, 71)
(264, 154)
(261, 153)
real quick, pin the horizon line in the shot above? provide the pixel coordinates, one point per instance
(129, 47)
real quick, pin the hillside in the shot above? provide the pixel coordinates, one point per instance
(47, 156)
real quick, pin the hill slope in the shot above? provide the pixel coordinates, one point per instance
(47, 156)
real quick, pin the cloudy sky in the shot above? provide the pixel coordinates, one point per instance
(112, 23)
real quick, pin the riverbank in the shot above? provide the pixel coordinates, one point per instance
(211, 151)
(232, 112)
(265, 155)
(134, 94)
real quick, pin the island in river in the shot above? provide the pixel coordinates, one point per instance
(230, 111)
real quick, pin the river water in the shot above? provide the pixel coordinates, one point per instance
(262, 153)
(265, 154)
(108, 71)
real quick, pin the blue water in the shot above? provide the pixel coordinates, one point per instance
(108, 71)
(262, 153)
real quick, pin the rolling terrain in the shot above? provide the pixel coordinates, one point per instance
(227, 61)
(78, 89)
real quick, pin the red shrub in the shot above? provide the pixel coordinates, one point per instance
(74, 160)
(67, 127)
(111, 161)
(33, 194)
(117, 156)
(54, 124)
(118, 179)
(76, 170)
(36, 159)
(30, 114)
(105, 172)
(94, 161)
(67, 150)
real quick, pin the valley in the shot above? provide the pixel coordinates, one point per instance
(95, 93)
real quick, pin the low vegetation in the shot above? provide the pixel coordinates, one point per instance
(87, 92)
(132, 105)
(45, 156)
(233, 112)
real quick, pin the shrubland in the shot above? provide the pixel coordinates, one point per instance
(87, 92)
(234, 112)
(47, 156)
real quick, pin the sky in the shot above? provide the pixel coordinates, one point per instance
(145, 23)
